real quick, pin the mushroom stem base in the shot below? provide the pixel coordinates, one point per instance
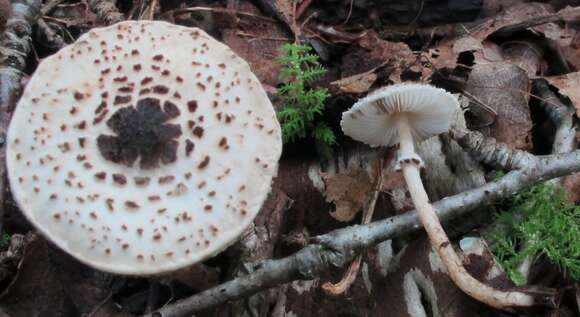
(505, 300)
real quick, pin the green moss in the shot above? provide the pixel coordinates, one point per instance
(540, 222)
(303, 106)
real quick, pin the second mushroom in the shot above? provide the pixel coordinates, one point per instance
(407, 114)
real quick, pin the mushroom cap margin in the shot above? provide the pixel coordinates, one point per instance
(372, 119)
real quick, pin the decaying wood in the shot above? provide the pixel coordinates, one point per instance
(16, 45)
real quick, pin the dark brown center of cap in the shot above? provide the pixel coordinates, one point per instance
(141, 132)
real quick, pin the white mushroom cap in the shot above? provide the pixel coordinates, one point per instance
(372, 120)
(143, 147)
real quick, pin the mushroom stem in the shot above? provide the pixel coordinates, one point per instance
(407, 148)
(439, 240)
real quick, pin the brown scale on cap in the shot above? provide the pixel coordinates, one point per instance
(198, 132)
(142, 180)
(224, 143)
(144, 127)
(131, 204)
(166, 179)
(120, 179)
(110, 203)
(146, 81)
(204, 163)
(189, 147)
(192, 105)
(154, 198)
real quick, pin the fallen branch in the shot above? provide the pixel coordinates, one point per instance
(561, 115)
(16, 45)
(339, 247)
(488, 151)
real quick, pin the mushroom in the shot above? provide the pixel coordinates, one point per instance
(142, 148)
(409, 113)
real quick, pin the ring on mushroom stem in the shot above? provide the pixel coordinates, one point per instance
(409, 113)
(142, 148)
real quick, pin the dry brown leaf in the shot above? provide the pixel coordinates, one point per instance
(356, 84)
(473, 38)
(349, 192)
(499, 103)
(572, 184)
(568, 86)
(398, 55)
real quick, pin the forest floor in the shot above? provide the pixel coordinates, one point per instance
(513, 65)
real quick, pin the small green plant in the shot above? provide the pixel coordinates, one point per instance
(4, 240)
(303, 106)
(540, 222)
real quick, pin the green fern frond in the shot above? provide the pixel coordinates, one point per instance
(303, 107)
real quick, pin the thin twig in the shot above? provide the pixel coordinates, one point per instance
(566, 14)
(301, 8)
(100, 305)
(222, 11)
(351, 4)
(49, 6)
(265, 38)
(152, 8)
(338, 248)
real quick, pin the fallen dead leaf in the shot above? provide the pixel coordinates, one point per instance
(572, 184)
(473, 37)
(349, 192)
(501, 88)
(568, 86)
(395, 54)
(357, 84)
